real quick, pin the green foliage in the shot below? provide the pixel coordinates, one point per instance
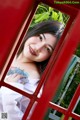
(62, 117)
(41, 17)
(55, 16)
(44, 12)
(77, 110)
(78, 51)
(65, 102)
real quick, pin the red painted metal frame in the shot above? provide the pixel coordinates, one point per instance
(68, 112)
(55, 70)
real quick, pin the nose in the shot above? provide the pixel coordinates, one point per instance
(40, 46)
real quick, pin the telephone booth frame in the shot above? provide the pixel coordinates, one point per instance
(12, 38)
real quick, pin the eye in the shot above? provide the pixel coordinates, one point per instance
(40, 37)
(48, 49)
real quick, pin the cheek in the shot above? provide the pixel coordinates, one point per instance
(31, 40)
(25, 47)
(45, 57)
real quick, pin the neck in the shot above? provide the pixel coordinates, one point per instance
(21, 58)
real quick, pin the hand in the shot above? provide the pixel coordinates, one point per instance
(13, 78)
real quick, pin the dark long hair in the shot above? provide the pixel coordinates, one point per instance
(53, 27)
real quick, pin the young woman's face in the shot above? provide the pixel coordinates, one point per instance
(39, 48)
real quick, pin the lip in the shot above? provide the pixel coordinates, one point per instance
(32, 51)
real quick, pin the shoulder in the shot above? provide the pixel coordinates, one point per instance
(33, 71)
(34, 74)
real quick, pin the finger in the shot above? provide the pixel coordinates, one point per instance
(13, 75)
(16, 77)
(11, 78)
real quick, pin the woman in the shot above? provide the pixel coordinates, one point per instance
(26, 69)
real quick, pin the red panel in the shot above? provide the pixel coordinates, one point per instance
(12, 15)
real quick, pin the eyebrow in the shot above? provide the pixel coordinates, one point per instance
(48, 44)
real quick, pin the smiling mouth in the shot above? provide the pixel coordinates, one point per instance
(32, 51)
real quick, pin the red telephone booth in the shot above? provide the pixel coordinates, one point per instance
(16, 16)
